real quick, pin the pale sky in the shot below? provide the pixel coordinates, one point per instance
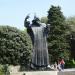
(13, 12)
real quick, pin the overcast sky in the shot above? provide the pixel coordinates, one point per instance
(13, 12)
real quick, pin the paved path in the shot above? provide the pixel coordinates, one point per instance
(72, 69)
(67, 72)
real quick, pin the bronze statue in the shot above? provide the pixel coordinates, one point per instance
(38, 33)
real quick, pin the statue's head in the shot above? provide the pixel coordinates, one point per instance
(36, 21)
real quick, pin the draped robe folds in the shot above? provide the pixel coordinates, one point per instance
(40, 50)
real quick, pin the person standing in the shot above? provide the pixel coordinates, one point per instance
(59, 65)
(62, 63)
(55, 66)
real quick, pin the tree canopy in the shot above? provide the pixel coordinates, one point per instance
(57, 42)
(15, 46)
(71, 22)
(44, 20)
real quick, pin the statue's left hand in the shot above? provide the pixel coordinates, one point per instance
(27, 23)
(27, 17)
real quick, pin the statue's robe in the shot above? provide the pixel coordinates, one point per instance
(38, 35)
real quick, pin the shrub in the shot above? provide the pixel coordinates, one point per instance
(15, 46)
(70, 64)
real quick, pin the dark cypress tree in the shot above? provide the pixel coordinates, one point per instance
(57, 43)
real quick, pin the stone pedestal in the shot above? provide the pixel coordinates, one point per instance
(35, 73)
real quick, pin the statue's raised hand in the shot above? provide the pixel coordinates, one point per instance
(27, 17)
(27, 23)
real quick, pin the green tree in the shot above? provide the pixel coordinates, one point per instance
(15, 46)
(71, 22)
(57, 42)
(44, 20)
